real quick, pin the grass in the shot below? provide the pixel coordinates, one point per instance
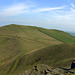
(60, 55)
(16, 39)
(59, 35)
(53, 55)
(24, 46)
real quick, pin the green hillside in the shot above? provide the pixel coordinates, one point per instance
(24, 46)
(17, 39)
(59, 35)
(55, 56)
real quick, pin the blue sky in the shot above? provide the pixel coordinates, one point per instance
(51, 14)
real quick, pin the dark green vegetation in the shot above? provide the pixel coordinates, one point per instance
(59, 35)
(24, 46)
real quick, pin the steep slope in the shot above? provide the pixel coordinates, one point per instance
(20, 47)
(31, 32)
(55, 56)
(16, 40)
(59, 35)
(27, 32)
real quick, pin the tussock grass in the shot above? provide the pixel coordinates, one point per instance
(59, 35)
(25, 43)
(56, 55)
(60, 55)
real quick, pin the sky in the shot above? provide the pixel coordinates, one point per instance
(50, 14)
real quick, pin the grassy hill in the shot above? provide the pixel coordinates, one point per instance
(59, 35)
(16, 40)
(55, 56)
(24, 46)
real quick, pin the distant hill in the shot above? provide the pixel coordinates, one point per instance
(72, 33)
(24, 46)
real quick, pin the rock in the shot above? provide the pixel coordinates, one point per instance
(43, 69)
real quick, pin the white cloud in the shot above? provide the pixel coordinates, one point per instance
(48, 9)
(22, 8)
(15, 10)
(72, 10)
(72, 5)
(65, 17)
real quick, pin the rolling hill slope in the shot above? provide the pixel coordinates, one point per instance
(55, 56)
(20, 44)
(16, 39)
(59, 35)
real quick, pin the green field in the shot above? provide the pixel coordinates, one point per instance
(22, 47)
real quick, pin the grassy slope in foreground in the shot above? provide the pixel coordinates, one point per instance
(16, 40)
(59, 55)
(56, 56)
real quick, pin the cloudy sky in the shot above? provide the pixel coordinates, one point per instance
(51, 14)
